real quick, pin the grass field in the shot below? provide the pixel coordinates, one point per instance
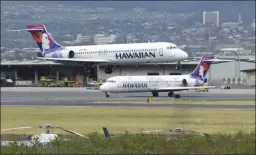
(160, 101)
(86, 120)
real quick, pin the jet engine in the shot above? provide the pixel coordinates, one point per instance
(71, 54)
(184, 83)
(190, 82)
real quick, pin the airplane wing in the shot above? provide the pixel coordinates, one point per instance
(215, 60)
(249, 60)
(218, 60)
(183, 88)
(60, 60)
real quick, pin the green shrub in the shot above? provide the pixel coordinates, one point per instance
(240, 143)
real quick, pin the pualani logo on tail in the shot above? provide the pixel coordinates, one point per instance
(135, 85)
(203, 69)
(135, 55)
(44, 40)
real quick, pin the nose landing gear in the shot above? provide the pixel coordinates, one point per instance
(178, 66)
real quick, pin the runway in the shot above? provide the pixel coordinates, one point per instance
(94, 98)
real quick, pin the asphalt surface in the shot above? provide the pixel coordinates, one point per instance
(94, 98)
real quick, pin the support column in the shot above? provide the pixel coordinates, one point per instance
(57, 77)
(36, 77)
(210, 76)
(15, 75)
(98, 72)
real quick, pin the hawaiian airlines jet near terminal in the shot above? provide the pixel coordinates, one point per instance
(110, 54)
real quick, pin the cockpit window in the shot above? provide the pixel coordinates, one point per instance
(111, 81)
(171, 47)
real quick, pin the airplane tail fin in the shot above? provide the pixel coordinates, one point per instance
(106, 133)
(43, 39)
(202, 68)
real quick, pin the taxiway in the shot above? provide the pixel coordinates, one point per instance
(83, 97)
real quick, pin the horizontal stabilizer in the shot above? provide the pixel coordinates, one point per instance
(36, 29)
(218, 60)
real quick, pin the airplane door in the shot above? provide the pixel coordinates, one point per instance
(100, 52)
(161, 52)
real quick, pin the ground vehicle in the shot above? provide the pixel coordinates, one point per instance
(6, 82)
(202, 89)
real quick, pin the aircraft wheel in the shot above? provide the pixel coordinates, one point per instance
(155, 94)
(108, 70)
(177, 66)
(170, 94)
(107, 95)
(177, 96)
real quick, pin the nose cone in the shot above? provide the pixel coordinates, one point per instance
(184, 54)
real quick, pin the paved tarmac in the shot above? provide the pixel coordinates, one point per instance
(84, 97)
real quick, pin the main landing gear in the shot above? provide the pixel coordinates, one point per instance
(107, 95)
(177, 66)
(109, 69)
(155, 94)
(89, 69)
(171, 94)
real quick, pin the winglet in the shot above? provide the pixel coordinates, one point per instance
(106, 133)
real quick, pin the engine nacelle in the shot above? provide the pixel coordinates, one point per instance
(184, 82)
(71, 54)
(190, 82)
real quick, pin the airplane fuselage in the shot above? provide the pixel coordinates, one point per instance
(159, 52)
(122, 84)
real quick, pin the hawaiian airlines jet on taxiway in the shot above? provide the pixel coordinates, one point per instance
(161, 83)
(110, 54)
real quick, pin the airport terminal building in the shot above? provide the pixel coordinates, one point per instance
(29, 72)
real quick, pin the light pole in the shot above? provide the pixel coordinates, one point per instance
(238, 63)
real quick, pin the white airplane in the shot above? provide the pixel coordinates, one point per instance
(110, 54)
(161, 83)
(42, 138)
